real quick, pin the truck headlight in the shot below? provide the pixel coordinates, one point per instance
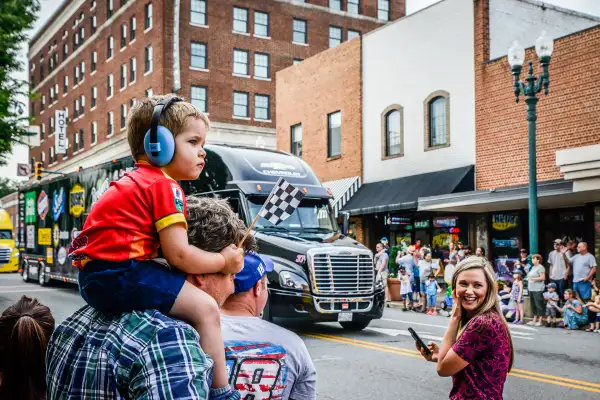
(15, 254)
(378, 281)
(291, 280)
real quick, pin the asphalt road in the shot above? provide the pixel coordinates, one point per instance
(381, 362)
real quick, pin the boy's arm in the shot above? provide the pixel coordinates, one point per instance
(186, 258)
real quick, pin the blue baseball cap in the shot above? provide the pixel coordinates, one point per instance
(255, 267)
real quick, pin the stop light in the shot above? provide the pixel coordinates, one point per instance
(38, 170)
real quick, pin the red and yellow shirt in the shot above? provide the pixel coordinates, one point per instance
(125, 221)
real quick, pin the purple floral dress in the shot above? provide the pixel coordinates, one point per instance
(485, 345)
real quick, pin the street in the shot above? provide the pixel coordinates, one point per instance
(382, 363)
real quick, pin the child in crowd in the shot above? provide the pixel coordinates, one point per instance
(405, 289)
(595, 307)
(432, 289)
(552, 299)
(139, 222)
(517, 297)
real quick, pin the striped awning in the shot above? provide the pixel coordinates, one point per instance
(342, 191)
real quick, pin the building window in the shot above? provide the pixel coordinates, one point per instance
(148, 92)
(240, 62)
(51, 155)
(75, 41)
(299, 28)
(43, 158)
(94, 24)
(81, 105)
(383, 10)
(81, 139)
(132, 69)
(65, 83)
(110, 45)
(198, 96)
(335, 36)
(51, 95)
(148, 59)
(110, 81)
(132, 102)
(352, 34)
(94, 96)
(123, 115)
(43, 103)
(437, 119)
(94, 132)
(43, 131)
(109, 8)
(240, 105)
(123, 36)
(198, 12)
(240, 20)
(148, 16)
(75, 142)
(199, 55)
(123, 76)
(335, 4)
(132, 23)
(82, 34)
(297, 61)
(261, 65)
(82, 68)
(65, 51)
(354, 6)
(334, 134)
(110, 129)
(76, 75)
(51, 125)
(94, 61)
(76, 108)
(262, 110)
(296, 132)
(392, 131)
(261, 24)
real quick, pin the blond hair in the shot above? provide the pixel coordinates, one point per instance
(490, 303)
(175, 119)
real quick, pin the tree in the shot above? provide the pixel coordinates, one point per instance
(7, 187)
(16, 17)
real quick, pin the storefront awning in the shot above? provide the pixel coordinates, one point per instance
(551, 194)
(342, 191)
(402, 193)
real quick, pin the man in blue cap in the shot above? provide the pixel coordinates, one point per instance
(263, 357)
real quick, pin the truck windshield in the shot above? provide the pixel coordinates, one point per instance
(312, 217)
(5, 235)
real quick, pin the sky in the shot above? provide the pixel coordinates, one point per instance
(21, 155)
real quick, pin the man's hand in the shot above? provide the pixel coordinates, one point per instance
(234, 259)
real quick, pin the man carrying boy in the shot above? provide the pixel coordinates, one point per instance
(141, 217)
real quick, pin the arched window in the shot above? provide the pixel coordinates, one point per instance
(392, 132)
(437, 118)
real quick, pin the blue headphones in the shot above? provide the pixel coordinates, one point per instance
(159, 142)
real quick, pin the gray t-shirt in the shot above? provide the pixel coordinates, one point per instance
(582, 266)
(257, 351)
(408, 262)
(426, 267)
(536, 272)
(381, 261)
(559, 265)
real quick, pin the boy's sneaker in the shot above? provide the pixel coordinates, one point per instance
(537, 324)
(428, 312)
(434, 312)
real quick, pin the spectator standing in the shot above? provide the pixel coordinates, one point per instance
(432, 289)
(536, 278)
(381, 265)
(461, 251)
(405, 289)
(477, 348)
(552, 299)
(253, 344)
(517, 297)
(25, 329)
(504, 293)
(408, 262)
(584, 270)
(480, 252)
(574, 315)
(559, 266)
(426, 266)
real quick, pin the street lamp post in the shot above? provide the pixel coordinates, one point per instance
(516, 56)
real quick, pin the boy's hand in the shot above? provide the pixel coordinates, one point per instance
(234, 259)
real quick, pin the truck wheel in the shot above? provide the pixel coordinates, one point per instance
(25, 274)
(42, 275)
(355, 325)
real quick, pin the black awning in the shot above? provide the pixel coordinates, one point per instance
(402, 193)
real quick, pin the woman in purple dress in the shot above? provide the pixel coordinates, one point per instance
(477, 350)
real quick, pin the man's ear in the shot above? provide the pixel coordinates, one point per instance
(196, 280)
(256, 289)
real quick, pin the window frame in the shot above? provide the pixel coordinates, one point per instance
(110, 85)
(304, 33)
(132, 28)
(247, 22)
(148, 15)
(353, 3)
(293, 149)
(247, 52)
(123, 36)
(123, 76)
(205, 56)
(341, 38)
(348, 31)
(94, 133)
(330, 154)
(94, 96)
(385, 155)
(110, 125)
(148, 61)
(94, 60)
(268, 67)
(427, 103)
(247, 105)
(192, 99)
(267, 26)
(256, 95)
(339, 2)
(123, 123)
(202, 14)
(381, 10)
(110, 48)
(132, 70)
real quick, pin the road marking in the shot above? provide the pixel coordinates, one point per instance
(517, 335)
(517, 373)
(24, 290)
(396, 332)
(525, 328)
(14, 286)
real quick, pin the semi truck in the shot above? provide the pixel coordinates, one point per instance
(320, 274)
(9, 254)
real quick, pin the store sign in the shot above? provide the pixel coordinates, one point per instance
(423, 224)
(571, 217)
(397, 221)
(503, 222)
(445, 222)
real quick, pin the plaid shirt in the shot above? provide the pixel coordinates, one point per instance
(134, 355)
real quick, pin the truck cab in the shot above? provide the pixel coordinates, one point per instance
(320, 274)
(9, 254)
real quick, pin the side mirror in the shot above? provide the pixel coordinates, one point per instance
(345, 223)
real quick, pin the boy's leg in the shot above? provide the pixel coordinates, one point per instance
(201, 310)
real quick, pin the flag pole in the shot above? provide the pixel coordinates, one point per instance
(248, 231)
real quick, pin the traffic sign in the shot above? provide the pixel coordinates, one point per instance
(23, 169)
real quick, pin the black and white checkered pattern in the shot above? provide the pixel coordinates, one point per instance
(282, 202)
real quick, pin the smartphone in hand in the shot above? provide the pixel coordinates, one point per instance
(419, 341)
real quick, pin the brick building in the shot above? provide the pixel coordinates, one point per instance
(94, 58)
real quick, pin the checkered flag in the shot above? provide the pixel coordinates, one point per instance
(282, 202)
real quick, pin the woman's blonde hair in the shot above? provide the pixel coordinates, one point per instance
(490, 303)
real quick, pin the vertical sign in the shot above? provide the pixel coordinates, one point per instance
(61, 132)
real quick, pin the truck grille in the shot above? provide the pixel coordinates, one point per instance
(341, 271)
(4, 255)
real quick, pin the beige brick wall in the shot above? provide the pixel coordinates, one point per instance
(308, 92)
(568, 117)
